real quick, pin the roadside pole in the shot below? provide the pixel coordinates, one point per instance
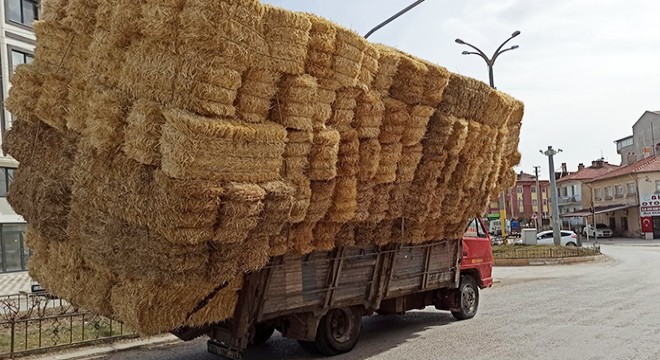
(539, 207)
(550, 153)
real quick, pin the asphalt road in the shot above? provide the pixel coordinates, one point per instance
(605, 310)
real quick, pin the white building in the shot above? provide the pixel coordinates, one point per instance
(17, 48)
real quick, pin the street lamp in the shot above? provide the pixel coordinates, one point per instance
(394, 17)
(490, 61)
(550, 153)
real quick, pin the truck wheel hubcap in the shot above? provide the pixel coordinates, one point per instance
(468, 299)
(340, 325)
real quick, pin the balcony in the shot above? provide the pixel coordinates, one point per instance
(569, 199)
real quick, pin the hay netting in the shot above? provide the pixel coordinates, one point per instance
(169, 146)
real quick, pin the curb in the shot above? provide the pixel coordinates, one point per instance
(91, 352)
(557, 261)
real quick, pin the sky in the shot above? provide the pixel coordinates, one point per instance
(586, 69)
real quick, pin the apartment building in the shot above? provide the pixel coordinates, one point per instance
(17, 47)
(522, 202)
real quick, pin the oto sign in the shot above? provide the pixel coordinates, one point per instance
(649, 205)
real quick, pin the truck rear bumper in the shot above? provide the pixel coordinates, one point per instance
(486, 282)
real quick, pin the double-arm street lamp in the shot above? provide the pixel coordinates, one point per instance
(490, 61)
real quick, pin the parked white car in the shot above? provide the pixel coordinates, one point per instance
(601, 229)
(568, 238)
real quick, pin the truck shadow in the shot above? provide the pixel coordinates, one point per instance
(379, 334)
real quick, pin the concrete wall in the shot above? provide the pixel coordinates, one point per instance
(646, 133)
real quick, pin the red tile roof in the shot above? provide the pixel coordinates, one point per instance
(650, 164)
(590, 172)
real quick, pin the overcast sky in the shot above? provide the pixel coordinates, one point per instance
(586, 69)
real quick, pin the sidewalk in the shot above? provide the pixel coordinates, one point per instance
(622, 242)
(13, 283)
(100, 351)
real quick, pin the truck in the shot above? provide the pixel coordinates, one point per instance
(320, 299)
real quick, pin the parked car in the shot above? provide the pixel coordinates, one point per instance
(601, 229)
(568, 238)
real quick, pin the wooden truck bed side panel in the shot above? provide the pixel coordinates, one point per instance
(352, 276)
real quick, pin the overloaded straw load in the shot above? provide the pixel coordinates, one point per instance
(167, 147)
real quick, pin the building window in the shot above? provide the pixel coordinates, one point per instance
(657, 186)
(6, 177)
(534, 202)
(608, 192)
(519, 189)
(533, 189)
(624, 223)
(545, 202)
(19, 57)
(631, 188)
(23, 11)
(598, 194)
(564, 192)
(618, 191)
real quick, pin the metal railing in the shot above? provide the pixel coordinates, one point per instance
(36, 323)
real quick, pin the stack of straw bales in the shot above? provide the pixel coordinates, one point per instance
(167, 147)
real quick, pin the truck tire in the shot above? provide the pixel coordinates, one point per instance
(468, 293)
(261, 334)
(338, 332)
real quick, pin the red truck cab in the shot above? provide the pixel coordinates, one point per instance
(477, 257)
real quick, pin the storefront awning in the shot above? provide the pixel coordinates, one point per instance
(598, 210)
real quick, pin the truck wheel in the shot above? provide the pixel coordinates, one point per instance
(469, 298)
(261, 334)
(338, 332)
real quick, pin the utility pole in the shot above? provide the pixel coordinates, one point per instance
(539, 208)
(393, 17)
(550, 153)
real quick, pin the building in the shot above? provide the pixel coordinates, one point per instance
(522, 202)
(626, 149)
(574, 195)
(17, 48)
(646, 135)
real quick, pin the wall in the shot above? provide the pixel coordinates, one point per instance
(646, 132)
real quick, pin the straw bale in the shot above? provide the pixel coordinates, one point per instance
(24, 92)
(465, 97)
(143, 132)
(195, 147)
(140, 302)
(239, 213)
(380, 203)
(369, 159)
(346, 98)
(77, 15)
(435, 83)
(420, 116)
(60, 50)
(76, 115)
(398, 199)
(110, 245)
(364, 197)
(369, 114)
(162, 18)
(287, 34)
(395, 121)
(348, 53)
(300, 238)
(108, 59)
(369, 65)
(327, 93)
(106, 118)
(365, 233)
(256, 94)
(321, 48)
(232, 31)
(409, 81)
(253, 254)
(390, 155)
(388, 64)
(278, 203)
(348, 164)
(295, 103)
(279, 244)
(323, 155)
(345, 237)
(52, 11)
(320, 199)
(220, 306)
(122, 18)
(383, 232)
(325, 235)
(344, 200)
(410, 159)
(498, 109)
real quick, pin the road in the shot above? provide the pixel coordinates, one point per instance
(605, 310)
